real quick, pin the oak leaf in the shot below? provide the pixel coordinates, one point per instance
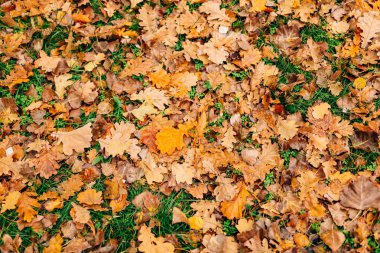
(26, 206)
(7, 116)
(370, 25)
(361, 194)
(55, 245)
(183, 173)
(168, 139)
(287, 128)
(61, 83)
(120, 141)
(69, 187)
(234, 208)
(137, 66)
(10, 201)
(90, 197)
(80, 214)
(151, 244)
(161, 79)
(75, 140)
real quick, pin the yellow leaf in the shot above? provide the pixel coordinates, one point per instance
(258, 5)
(55, 245)
(6, 116)
(360, 83)
(10, 201)
(196, 222)
(234, 208)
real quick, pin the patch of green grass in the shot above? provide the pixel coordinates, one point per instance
(269, 179)
(229, 229)
(96, 5)
(318, 34)
(370, 158)
(198, 64)
(287, 154)
(55, 39)
(240, 75)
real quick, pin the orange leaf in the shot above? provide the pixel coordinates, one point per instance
(234, 208)
(90, 197)
(26, 205)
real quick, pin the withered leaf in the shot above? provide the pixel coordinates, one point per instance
(361, 194)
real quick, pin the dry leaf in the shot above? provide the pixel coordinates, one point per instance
(333, 238)
(75, 140)
(361, 194)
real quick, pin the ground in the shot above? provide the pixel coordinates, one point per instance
(189, 126)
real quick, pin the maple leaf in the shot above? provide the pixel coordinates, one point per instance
(90, 197)
(10, 201)
(75, 140)
(151, 244)
(234, 208)
(361, 194)
(370, 25)
(120, 141)
(333, 238)
(26, 205)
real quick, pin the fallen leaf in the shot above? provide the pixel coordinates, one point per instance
(75, 140)
(90, 197)
(234, 208)
(361, 194)
(333, 238)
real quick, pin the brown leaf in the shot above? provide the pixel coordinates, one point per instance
(333, 238)
(90, 197)
(75, 140)
(361, 194)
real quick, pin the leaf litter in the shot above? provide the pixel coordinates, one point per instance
(189, 126)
